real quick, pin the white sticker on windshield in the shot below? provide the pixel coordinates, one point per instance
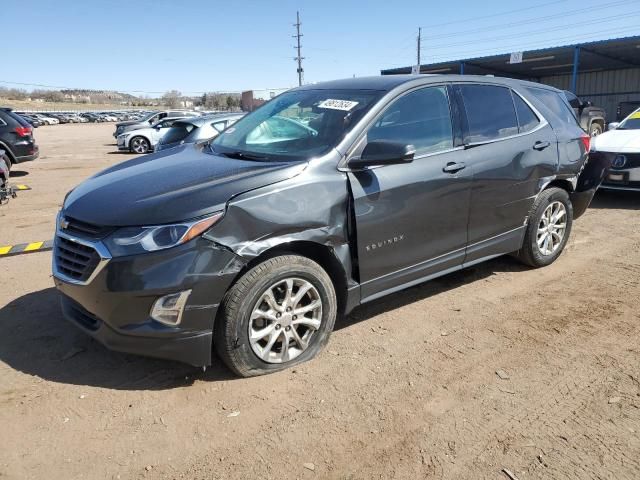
(333, 104)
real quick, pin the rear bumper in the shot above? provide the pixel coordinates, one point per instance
(28, 158)
(581, 201)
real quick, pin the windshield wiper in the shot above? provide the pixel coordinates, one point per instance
(244, 156)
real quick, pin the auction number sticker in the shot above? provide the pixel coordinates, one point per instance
(333, 104)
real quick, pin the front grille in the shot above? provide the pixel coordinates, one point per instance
(86, 230)
(75, 260)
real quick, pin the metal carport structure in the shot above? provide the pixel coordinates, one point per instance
(605, 72)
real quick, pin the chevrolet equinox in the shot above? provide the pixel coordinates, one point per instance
(328, 196)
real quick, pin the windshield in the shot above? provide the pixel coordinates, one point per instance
(296, 125)
(632, 122)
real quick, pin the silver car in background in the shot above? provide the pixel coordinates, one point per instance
(150, 119)
(192, 130)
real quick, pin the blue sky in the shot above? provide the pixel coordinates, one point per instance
(206, 45)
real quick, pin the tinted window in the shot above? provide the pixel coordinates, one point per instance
(490, 112)
(178, 132)
(420, 118)
(556, 103)
(527, 120)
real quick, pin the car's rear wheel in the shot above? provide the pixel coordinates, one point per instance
(280, 313)
(548, 229)
(140, 145)
(595, 129)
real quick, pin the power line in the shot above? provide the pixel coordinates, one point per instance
(536, 32)
(557, 16)
(299, 58)
(532, 7)
(536, 46)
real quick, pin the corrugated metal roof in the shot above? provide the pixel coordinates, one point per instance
(600, 55)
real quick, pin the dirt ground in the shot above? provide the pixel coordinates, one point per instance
(406, 389)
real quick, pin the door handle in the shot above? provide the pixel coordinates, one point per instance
(541, 145)
(453, 167)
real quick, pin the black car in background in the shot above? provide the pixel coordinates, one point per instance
(329, 196)
(16, 137)
(591, 118)
(626, 108)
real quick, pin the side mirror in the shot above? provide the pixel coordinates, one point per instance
(382, 152)
(614, 125)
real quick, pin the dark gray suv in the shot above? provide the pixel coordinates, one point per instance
(328, 196)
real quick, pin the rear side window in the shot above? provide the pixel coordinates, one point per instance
(421, 118)
(557, 103)
(19, 119)
(490, 112)
(527, 120)
(178, 132)
(219, 126)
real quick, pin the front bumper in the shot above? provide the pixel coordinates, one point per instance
(122, 143)
(113, 306)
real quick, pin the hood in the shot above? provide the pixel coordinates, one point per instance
(170, 186)
(618, 141)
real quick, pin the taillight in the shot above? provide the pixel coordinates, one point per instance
(586, 140)
(23, 131)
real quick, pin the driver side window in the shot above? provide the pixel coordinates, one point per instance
(421, 118)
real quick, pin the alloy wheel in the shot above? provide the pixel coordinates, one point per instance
(552, 228)
(139, 145)
(284, 319)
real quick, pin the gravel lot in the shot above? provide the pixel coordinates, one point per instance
(406, 389)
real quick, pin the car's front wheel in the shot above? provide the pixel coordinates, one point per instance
(140, 145)
(548, 229)
(278, 314)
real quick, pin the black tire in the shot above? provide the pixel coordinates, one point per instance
(530, 253)
(144, 143)
(595, 129)
(231, 331)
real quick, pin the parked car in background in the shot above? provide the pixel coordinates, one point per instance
(144, 140)
(16, 137)
(626, 108)
(46, 120)
(620, 147)
(256, 244)
(35, 123)
(196, 129)
(151, 119)
(592, 119)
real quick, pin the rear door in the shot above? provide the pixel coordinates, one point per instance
(411, 219)
(511, 149)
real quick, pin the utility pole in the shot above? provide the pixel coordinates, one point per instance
(299, 58)
(419, 41)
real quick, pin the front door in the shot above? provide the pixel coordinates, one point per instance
(411, 219)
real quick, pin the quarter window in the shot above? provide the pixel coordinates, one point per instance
(421, 118)
(557, 103)
(527, 120)
(490, 112)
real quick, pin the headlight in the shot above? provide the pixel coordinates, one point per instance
(135, 240)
